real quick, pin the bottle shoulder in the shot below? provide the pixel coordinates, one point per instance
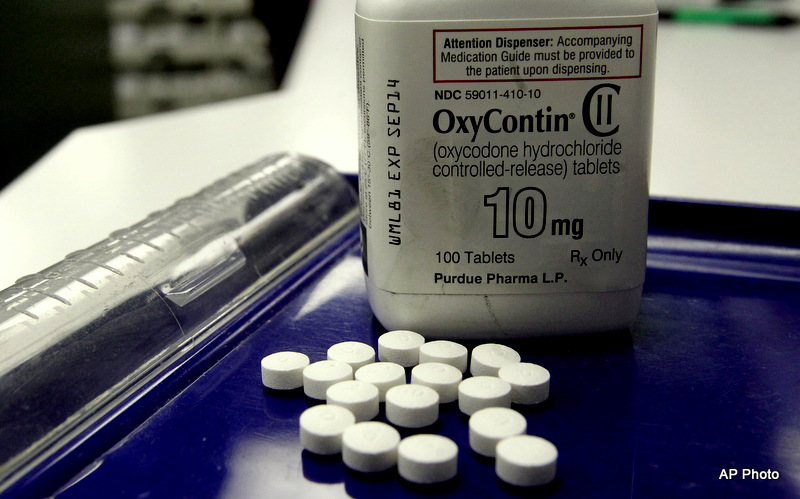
(474, 10)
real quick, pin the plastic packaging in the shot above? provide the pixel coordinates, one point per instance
(83, 334)
(504, 163)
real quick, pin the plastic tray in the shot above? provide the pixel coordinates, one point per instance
(701, 393)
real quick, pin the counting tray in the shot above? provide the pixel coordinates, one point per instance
(700, 393)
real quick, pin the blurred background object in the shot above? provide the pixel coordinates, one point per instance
(171, 54)
(69, 64)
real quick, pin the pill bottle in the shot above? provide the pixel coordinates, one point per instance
(504, 163)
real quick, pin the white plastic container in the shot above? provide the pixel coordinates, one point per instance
(504, 163)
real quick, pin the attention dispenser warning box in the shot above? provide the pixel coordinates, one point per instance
(537, 54)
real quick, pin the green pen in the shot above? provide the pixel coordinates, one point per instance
(726, 15)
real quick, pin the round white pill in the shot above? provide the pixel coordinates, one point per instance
(487, 359)
(355, 353)
(427, 458)
(322, 426)
(490, 425)
(530, 383)
(360, 397)
(383, 375)
(283, 370)
(412, 406)
(526, 460)
(370, 446)
(446, 352)
(479, 392)
(443, 378)
(317, 377)
(400, 347)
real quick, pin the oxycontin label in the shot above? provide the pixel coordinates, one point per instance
(505, 157)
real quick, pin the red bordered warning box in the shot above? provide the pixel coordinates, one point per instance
(537, 54)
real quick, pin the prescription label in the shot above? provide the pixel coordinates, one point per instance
(505, 157)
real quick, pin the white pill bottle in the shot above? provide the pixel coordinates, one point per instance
(504, 163)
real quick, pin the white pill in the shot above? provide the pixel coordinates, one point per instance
(317, 377)
(412, 406)
(526, 460)
(370, 446)
(360, 397)
(355, 353)
(443, 378)
(427, 458)
(479, 392)
(530, 383)
(322, 426)
(383, 375)
(446, 352)
(400, 347)
(283, 370)
(487, 359)
(490, 425)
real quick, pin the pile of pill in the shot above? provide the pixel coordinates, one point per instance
(353, 385)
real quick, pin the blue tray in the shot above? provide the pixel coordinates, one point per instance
(702, 392)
